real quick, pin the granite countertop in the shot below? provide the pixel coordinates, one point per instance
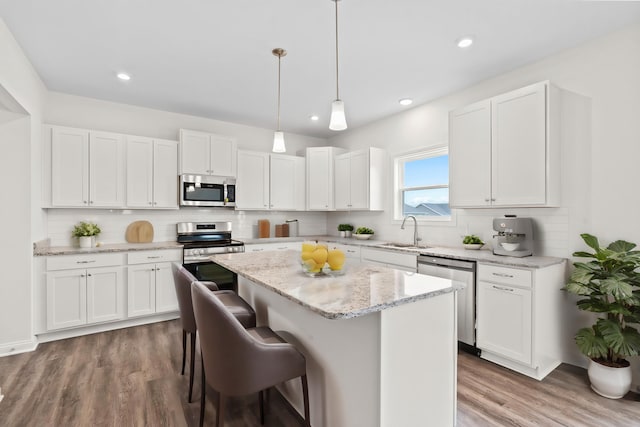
(42, 249)
(483, 255)
(363, 289)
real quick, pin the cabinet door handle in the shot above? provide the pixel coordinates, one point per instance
(89, 275)
(154, 257)
(82, 275)
(510, 276)
(84, 201)
(85, 262)
(487, 200)
(500, 288)
(150, 203)
(256, 250)
(282, 248)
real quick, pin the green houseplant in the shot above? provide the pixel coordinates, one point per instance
(345, 230)
(85, 232)
(608, 285)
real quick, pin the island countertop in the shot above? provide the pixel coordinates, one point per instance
(362, 289)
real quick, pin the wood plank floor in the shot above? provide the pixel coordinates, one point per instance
(131, 377)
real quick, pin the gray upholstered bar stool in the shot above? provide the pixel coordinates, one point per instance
(238, 361)
(239, 307)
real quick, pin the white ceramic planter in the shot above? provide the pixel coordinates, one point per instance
(609, 382)
(85, 241)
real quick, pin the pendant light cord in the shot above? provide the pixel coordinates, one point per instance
(337, 79)
(279, 59)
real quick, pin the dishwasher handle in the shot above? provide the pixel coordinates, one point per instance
(447, 262)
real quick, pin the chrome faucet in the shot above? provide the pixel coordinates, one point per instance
(416, 239)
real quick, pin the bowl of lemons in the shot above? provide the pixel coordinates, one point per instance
(318, 260)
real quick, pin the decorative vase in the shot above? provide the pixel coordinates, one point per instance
(343, 234)
(347, 233)
(85, 241)
(609, 382)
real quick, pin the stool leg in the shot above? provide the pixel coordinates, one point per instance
(202, 392)
(261, 398)
(305, 394)
(184, 350)
(220, 411)
(192, 364)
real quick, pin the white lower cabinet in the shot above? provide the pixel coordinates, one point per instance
(82, 296)
(518, 313)
(86, 289)
(275, 246)
(505, 326)
(150, 282)
(391, 259)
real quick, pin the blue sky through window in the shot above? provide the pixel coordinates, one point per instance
(429, 171)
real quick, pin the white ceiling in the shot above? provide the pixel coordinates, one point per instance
(212, 58)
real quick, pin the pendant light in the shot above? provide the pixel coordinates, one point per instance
(278, 135)
(338, 120)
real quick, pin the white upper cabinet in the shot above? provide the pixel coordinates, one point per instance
(470, 155)
(152, 173)
(286, 182)
(519, 147)
(359, 180)
(320, 177)
(270, 181)
(207, 154)
(69, 167)
(504, 151)
(252, 184)
(87, 169)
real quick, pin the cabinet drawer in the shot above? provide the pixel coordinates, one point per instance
(390, 257)
(144, 257)
(66, 262)
(349, 250)
(505, 275)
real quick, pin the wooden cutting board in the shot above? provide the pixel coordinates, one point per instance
(139, 232)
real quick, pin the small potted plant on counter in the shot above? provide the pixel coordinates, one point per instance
(471, 241)
(363, 233)
(345, 230)
(608, 285)
(86, 232)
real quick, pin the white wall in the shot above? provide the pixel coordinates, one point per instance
(22, 92)
(600, 172)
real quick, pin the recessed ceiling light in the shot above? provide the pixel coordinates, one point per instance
(314, 118)
(406, 101)
(124, 76)
(464, 42)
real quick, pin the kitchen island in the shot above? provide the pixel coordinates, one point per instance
(380, 343)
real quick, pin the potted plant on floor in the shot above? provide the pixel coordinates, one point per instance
(345, 230)
(86, 232)
(608, 285)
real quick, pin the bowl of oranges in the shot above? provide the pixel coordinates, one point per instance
(318, 260)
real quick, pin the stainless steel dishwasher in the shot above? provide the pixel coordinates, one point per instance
(462, 271)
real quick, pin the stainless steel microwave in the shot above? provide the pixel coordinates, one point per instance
(204, 190)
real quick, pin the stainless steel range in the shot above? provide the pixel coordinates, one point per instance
(203, 239)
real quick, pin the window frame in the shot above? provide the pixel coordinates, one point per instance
(399, 188)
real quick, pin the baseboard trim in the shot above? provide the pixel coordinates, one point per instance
(17, 347)
(103, 327)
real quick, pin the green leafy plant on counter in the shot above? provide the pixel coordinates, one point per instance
(345, 227)
(472, 239)
(364, 230)
(84, 229)
(609, 285)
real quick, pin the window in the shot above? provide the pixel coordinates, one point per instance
(422, 185)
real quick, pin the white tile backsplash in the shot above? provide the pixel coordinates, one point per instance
(114, 223)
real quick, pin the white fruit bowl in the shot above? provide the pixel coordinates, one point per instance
(362, 236)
